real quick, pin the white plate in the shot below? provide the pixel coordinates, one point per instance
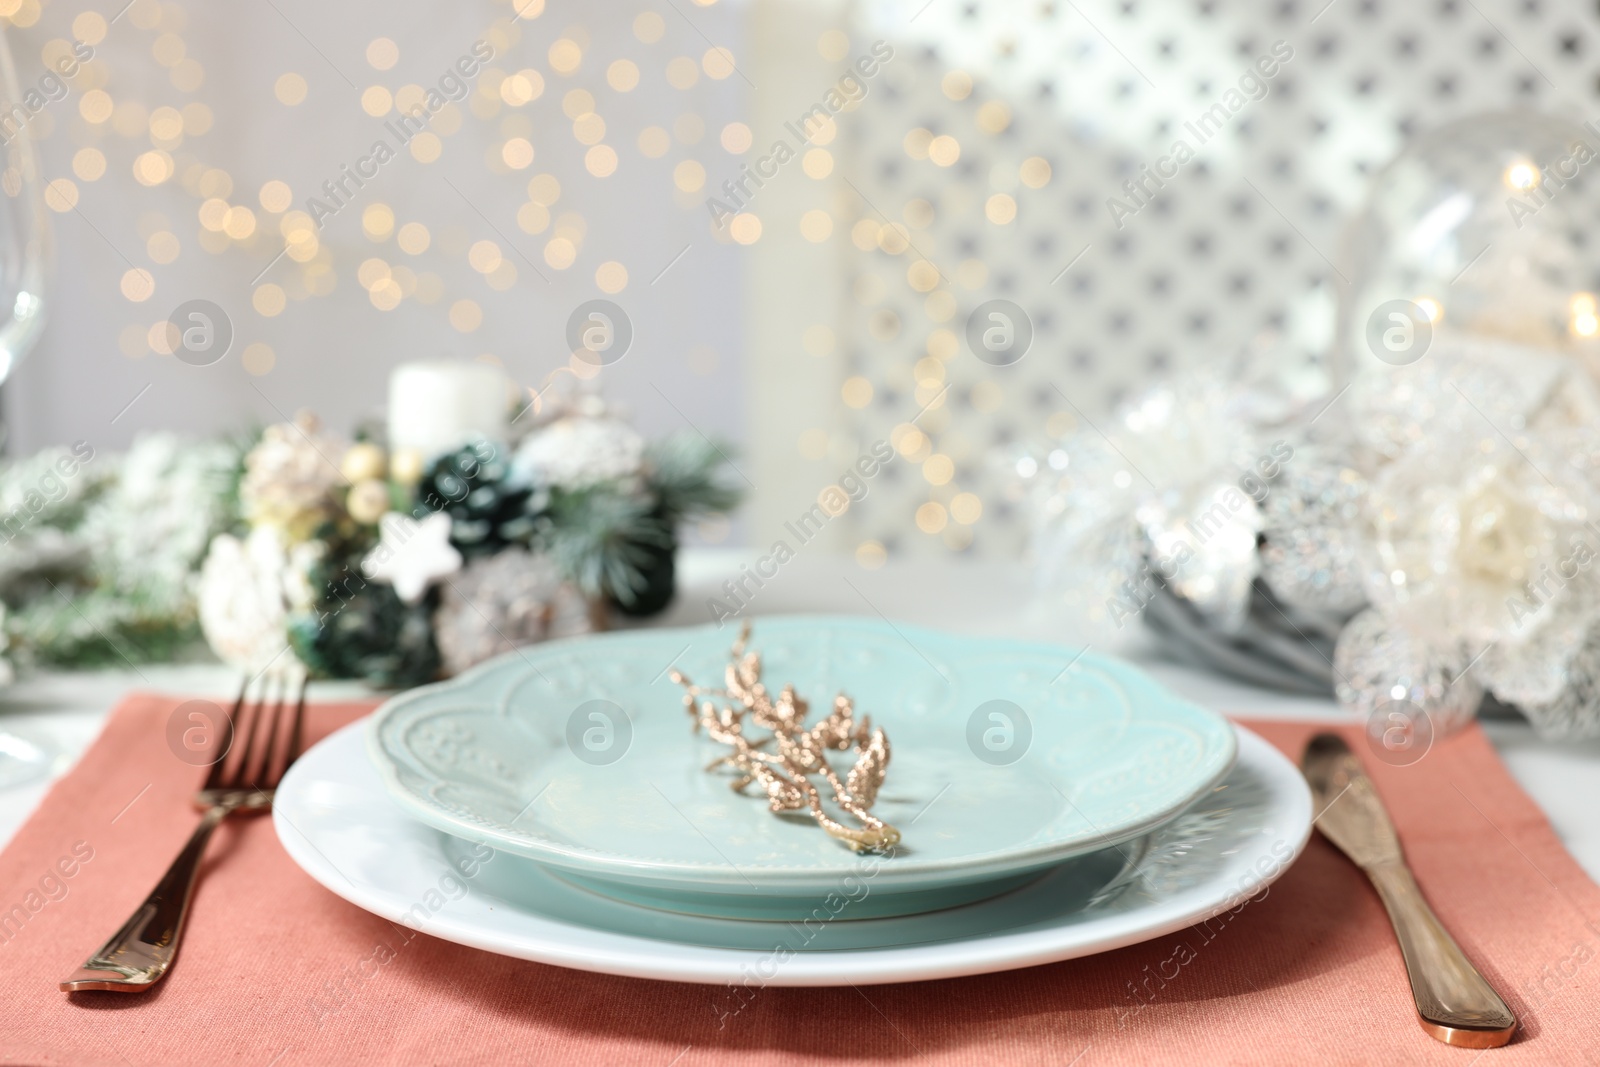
(337, 822)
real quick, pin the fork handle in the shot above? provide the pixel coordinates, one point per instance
(138, 955)
(1455, 1003)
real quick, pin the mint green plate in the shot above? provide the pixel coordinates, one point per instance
(1008, 758)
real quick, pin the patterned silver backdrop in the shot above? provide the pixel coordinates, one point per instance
(994, 157)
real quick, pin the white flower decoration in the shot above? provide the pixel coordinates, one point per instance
(1465, 527)
(1155, 496)
(244, 598)
(1484, 554)
(412, 555)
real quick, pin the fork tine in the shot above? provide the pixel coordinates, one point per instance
(297, 731)
(214, 775)
(249, 726)
(263, 774)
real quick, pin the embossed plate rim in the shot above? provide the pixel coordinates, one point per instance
(906, 872)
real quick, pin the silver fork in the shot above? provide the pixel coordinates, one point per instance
(140, 954)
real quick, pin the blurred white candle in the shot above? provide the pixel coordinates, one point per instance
(435, 406)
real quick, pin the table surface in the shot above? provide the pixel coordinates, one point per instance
(66, 710)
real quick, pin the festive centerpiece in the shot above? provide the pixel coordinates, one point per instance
(397, 567)
(395, 563)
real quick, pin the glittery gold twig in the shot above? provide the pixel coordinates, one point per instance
(800, 752)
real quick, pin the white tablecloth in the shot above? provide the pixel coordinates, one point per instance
(67, 709)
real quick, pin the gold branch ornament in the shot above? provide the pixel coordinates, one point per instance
(785, 761)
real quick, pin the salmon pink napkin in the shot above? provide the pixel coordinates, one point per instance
(278, 971)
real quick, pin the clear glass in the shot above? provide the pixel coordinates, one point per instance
(24, 238)
(24, 264)
(1482, 221)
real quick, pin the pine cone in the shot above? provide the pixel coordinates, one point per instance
(502, 601)
(488, 511)
(358, 628)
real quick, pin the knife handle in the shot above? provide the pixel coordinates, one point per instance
(1456, 1004)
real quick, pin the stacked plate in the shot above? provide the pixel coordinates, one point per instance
(554, 805)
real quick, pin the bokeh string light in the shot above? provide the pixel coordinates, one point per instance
(575, 112)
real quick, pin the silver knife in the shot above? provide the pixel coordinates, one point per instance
(1454, 1002)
